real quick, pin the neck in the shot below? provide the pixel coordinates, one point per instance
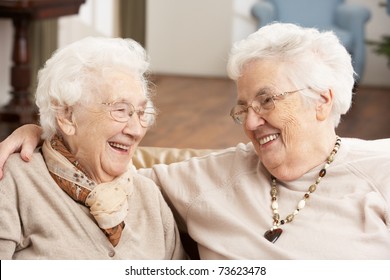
(308, 158)
(73, 155)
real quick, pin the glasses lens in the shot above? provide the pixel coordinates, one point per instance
(265, 101)
(121, 111)
(147, 117)
(239, 113)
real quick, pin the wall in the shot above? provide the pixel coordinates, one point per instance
(94, 19)
(184, 40)
(188, 37)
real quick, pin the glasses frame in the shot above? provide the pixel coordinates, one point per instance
(144, 124)
(236, 116)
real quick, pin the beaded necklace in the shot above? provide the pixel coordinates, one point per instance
(274, 233)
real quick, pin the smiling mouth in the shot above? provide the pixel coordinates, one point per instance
(268, 138)
(119, 147)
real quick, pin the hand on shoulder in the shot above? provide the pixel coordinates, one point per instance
(24, 140)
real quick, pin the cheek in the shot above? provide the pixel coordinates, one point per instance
(143, 133)
(95, 133)
(103, 125)
(248, 133)
(91, 123)
(288, 122)
(289, 128)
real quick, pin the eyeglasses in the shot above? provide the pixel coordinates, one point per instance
(122, 112)
(239, 113)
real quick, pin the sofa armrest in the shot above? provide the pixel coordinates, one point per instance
(145, 157)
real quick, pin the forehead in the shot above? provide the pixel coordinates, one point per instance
(260, 76)
(123, 86)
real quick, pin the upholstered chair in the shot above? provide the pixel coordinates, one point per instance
(347, 20)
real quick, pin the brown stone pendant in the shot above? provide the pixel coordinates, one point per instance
(273, 235)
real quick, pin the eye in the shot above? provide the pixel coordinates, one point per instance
(122, 109)
(264, 100)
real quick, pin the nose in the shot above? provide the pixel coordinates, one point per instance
(253, 120)
(133, 127)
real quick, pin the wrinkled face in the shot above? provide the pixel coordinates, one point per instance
(282, 137)
(102, 145)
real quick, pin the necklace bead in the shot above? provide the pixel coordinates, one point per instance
(301, 204)
(273, 234)
(312, 188)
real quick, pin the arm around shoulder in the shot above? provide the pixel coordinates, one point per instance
(24, 139)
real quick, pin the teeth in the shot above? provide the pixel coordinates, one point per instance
(268, 138)
(120, 146)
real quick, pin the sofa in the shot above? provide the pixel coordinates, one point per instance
(145, 157)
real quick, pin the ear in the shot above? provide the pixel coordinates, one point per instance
(65, 122)
(324, 105)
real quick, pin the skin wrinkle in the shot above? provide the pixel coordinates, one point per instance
(287, 109)
(97, 117)
(298, 125)
(90, 141)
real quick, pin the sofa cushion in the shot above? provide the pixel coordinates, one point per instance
(145, 157)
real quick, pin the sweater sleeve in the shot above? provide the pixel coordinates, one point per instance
(10, 228)
(370, 159)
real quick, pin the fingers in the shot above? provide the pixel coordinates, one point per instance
(7, 147)
(27, 149)
(31, 137)
(24, 139)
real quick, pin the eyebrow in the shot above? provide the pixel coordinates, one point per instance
(142, 104)
(265, 90)
(261, 91)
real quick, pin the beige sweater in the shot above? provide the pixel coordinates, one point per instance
(40, 221)
(223, 199)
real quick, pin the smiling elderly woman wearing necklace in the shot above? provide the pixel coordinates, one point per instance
(78, 199)
(297, 190)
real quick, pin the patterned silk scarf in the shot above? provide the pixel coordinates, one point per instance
(107, 202)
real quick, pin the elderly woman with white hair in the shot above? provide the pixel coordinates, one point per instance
(297, 190)
(78, 198)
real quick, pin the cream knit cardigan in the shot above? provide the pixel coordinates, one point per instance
(39, 220)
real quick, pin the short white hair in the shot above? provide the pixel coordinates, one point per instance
(79, 68)
(312, 59)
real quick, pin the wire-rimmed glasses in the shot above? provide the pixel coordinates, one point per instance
(123, 111)
(264, 102)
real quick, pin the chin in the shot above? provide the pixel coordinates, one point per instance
(116, 170)
(270, 163)
(119, 171)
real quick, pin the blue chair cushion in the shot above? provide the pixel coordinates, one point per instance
(319, 14)
(346, 20)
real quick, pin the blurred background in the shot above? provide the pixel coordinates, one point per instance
(188, 43)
